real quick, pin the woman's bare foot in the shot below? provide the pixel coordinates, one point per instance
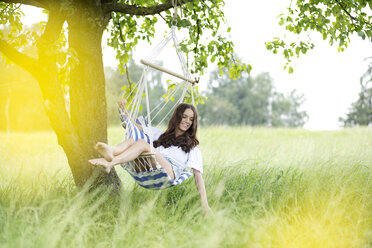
(105, 150)
(101, 162)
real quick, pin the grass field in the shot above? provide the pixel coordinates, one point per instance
(267, 188)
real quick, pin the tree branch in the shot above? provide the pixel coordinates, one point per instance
(53, 28)
(162, 17)
(18, 58)
(125, 64)
(39, 4)
(344, 9)
(114, 6)
(352, 17)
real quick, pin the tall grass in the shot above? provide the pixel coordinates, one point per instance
(267, 188)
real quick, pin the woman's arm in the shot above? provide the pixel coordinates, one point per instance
(122, 104)
(201, 188)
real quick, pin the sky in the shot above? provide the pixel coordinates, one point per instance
(328, 79)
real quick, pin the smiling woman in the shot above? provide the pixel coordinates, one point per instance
(176, 150)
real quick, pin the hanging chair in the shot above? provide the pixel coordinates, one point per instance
(145, 170)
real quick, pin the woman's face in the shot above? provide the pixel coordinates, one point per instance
(187, 120)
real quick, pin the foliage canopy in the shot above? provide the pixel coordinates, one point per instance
(336, 21)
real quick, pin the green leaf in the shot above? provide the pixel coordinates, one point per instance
(184, 23)
(369, 33)
(362, 34)
(298, 51)
(125, 58)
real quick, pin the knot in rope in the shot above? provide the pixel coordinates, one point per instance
(175, 12)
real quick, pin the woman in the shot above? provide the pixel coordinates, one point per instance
(175, 149)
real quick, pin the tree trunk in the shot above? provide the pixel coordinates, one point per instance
(87, 93)
(75, 140)
(78, 133)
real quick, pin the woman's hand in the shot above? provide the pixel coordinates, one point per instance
(207, 210)
(122, 103)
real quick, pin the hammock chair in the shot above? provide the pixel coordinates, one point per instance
(145, 170)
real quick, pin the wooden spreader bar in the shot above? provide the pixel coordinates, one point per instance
(168, 71)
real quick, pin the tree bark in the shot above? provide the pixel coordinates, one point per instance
(87, 89)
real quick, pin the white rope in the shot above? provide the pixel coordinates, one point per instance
(136, 99)
(132, 104)
(167, 114)
(192, 94)
(164, 101)
(182, 98)
(155, 52)
(181, 58)
(142, 83)
(174, 105)
(148, 114)
(174, 20)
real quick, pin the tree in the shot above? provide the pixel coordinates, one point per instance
(335, 20)
(76, 60)
(218, 111)
(285, 110)
(360, 112)
(248, 98)
(20, 96)
(251, 101)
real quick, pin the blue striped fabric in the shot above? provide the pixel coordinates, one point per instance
(155, 179)
(132, 130)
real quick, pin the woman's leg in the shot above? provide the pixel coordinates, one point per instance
(121, 147)
(131, 153)
(109, 152)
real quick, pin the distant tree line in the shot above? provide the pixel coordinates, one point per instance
(251, 101)
(246, 101)
(360, 111)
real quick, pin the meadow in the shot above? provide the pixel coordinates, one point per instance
(267, 188)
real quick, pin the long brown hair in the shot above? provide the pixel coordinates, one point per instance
(188, 139)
